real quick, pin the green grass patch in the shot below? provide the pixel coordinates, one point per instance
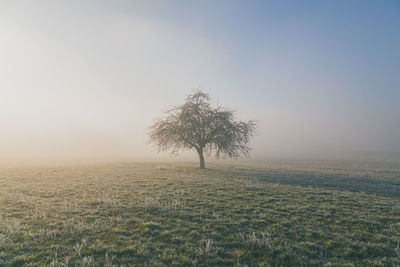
(144, 214)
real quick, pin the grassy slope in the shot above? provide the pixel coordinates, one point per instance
(144, 214)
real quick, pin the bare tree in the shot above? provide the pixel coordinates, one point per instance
(198, 125)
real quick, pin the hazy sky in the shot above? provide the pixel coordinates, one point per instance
(83, 79)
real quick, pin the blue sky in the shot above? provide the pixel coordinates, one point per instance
(85, 78)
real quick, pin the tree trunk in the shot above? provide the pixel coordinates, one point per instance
(201, 156)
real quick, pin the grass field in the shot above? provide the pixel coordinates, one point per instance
(290, 214)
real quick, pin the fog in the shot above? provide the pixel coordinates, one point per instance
(85, 80)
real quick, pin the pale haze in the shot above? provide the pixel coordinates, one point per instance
(84, 79)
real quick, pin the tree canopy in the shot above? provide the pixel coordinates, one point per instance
(198, 125)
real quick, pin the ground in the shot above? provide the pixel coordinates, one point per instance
(290, 214)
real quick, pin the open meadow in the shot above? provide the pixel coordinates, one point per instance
(159, 214)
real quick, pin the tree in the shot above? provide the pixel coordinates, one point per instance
(198, 125)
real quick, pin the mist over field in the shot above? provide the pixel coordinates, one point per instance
(85, 80)
(95, 96)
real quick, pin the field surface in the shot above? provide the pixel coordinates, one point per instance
(283, 214)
